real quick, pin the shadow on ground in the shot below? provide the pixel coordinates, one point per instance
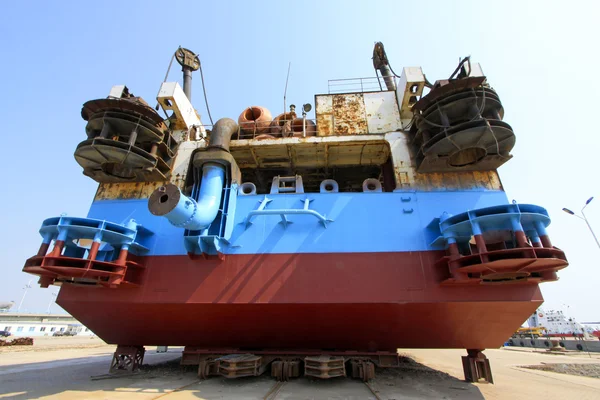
(166, 379)
(415, 380)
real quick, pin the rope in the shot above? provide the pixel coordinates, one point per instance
(167, 76)
(378, 81)
(201, 78)
(204, 90)
(495, 139)
(171, 63)
(460, 64)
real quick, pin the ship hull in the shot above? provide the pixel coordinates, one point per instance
(343, 301)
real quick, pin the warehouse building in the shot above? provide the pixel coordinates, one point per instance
(41, 324)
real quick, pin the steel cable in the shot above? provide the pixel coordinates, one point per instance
(204, 90)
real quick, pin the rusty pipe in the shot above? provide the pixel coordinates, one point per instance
(381, 63)
(388, 77)
(220, 137)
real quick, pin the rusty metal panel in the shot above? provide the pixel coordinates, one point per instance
(324, 113)
(126, 191)
(341, 114)
(494, 179)
(382, 112)
(349, 114)
(487, 180)
(450, 181)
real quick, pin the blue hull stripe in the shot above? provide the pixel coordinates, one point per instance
(362, 222)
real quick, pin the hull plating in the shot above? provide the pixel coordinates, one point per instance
(346, 301)
(362, 222)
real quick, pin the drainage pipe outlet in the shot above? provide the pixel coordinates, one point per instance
(184, 212)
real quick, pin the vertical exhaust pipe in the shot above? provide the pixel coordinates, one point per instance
(189, 62)
(187, 82)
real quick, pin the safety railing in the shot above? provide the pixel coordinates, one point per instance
(292, 128)
(356, 85)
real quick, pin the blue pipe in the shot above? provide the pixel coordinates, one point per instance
(186, 212)
(198, 215)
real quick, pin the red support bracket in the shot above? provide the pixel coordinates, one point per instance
(127, 359)
(476, 367)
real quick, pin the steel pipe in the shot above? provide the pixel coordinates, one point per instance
(187, 82)
(220, 137)
(185, 212)
(388, 77)
(381, 63)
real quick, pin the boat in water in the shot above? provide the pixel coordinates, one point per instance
(296, 242)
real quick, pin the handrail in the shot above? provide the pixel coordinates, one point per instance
(282, 212)
(355, 85)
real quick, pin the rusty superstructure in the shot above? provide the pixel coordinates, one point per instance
(301, 246)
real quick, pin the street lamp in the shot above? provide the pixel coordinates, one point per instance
(27, 287)
(584, 218)
(51, 301)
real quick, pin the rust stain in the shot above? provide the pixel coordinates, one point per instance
(435, 181)
(481, 180)
(324, 115)
(126, 191)
(495, 181)
(324, 124)
(402, 180)
(349, 114)
(453, 180)
(243, 156)
(341, 115)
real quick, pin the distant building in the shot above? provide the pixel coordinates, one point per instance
(41, 324)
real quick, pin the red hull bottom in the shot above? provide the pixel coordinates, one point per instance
(363, 302)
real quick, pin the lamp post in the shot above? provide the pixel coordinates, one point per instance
(583, 217)
(27, 287)
(51, 301)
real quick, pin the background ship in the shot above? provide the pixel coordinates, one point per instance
(296, 242)
(556, 323)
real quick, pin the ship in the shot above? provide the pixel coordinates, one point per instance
(556, 323)
(297, 245)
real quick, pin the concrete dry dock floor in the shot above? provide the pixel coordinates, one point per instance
(60, 368)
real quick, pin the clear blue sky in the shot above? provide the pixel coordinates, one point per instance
(542, 58)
